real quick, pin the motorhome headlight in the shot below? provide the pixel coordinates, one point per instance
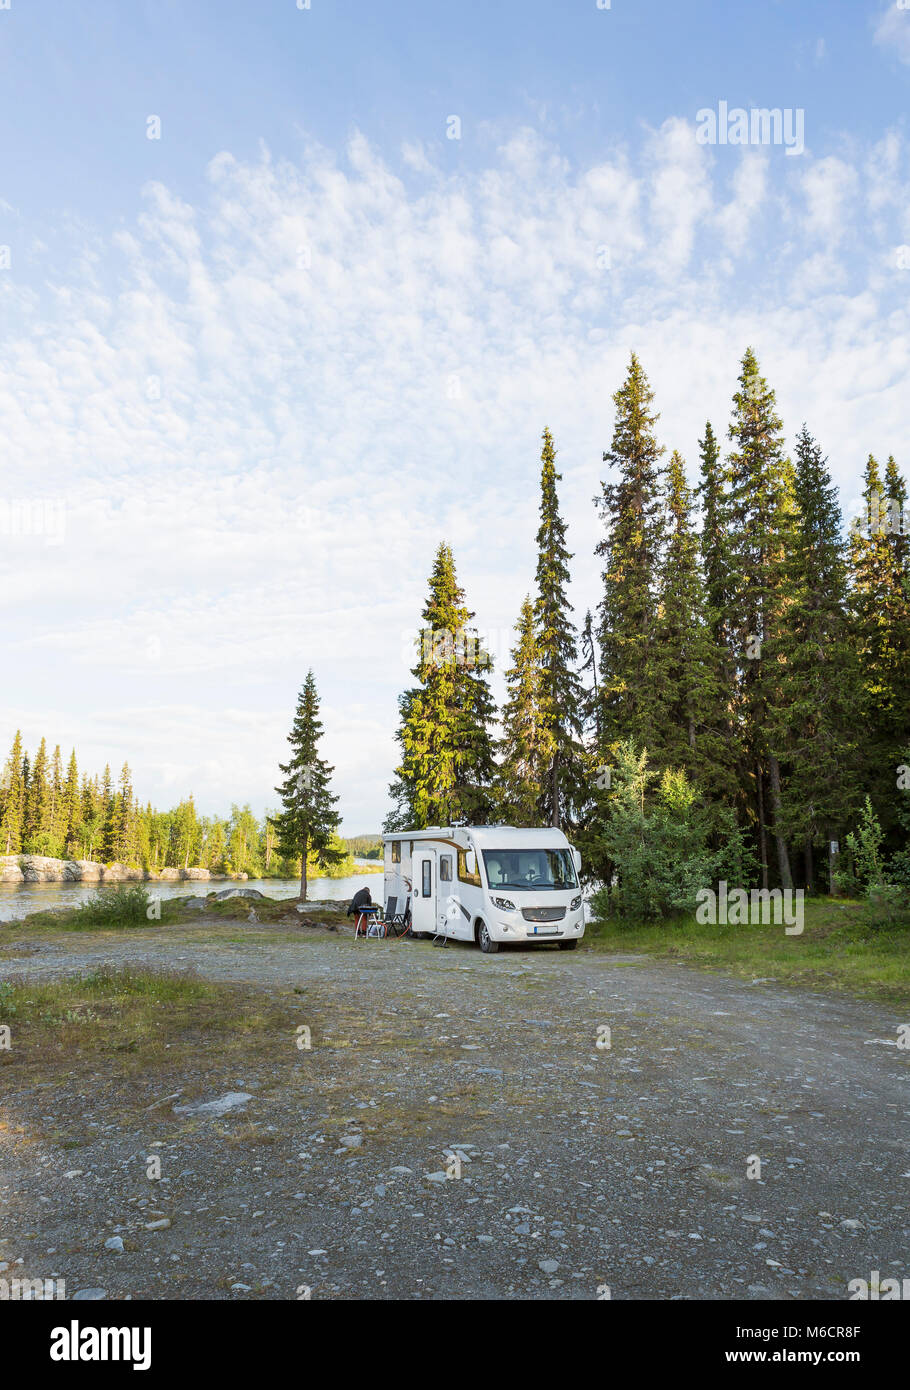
(505, 904)
(576, 903)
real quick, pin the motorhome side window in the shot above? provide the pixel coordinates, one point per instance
(427, 872)
(463, 874)
(396, 851)
(445, 868)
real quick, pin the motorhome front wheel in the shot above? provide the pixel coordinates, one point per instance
(487, 944)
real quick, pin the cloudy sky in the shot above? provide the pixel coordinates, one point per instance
(254, 370)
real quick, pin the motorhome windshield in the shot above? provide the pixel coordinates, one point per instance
(530, 869)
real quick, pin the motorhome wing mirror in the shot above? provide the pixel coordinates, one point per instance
(577, 857)
(470, 860)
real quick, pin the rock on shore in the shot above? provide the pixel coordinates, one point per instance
(37, 868)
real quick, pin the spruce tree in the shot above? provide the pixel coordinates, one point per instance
(37, 801)
(562, 697)
(308, 820)
(713, 494)
(12, 800)
(690, 728)
(72, 808)
(446, 771)
(55, 824)
(898, 516)
(714, 545)
(814, 718)
(527, 741)
(880, 614)
(125, 840)
(108, 832)
(761, 517)
(590, 662)
(631, 509)
(92, 817)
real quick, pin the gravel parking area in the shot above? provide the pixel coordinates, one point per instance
(459, 1129)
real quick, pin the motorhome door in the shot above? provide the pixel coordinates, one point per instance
(423, 901)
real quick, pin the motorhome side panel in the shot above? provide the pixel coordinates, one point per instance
(397, 876)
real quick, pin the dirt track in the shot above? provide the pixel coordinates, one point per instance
(582, 1166)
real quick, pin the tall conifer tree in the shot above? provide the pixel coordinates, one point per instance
(108, 833)
(12, 800)
(631, 509)
(690, 727)
(761, 516)
(447, 769)
(561, 691)
(306, 825)
(72, 808)
(880, 611)
(527, 743)
(37, 800)
(814, 720)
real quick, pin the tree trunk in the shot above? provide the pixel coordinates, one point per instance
(554, 792)
(304, 845)
(810, 865)
(762, 835)
(783, 857)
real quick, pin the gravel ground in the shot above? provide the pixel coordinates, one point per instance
(576, 1167)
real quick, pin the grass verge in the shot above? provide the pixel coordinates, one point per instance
(840, 949)
(120, 914)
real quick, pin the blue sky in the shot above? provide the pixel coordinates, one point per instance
(262, 365)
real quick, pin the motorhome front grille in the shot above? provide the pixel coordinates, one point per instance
(543, 914)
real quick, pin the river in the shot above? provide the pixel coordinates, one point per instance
(17, 899)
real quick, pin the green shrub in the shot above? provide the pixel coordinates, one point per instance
(889, 904)
(116, 905)
(866, 847)
(899, 869)
(663, 844)
(886, 885)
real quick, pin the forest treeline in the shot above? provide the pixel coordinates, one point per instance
(737, 699)
(47, 807)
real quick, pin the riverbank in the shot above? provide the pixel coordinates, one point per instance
(36, 868)
(19, 900)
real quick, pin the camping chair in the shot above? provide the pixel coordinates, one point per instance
(397, 924)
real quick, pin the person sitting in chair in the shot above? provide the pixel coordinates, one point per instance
(360, 899)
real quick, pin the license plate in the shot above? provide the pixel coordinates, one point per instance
(546, 931)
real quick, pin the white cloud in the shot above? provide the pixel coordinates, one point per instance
(892, 30)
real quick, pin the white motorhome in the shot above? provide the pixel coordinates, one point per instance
(493, 884)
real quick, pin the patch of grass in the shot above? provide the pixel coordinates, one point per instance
(8, 1006)
(125, 990)
(842, 948)
(124, 1019)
